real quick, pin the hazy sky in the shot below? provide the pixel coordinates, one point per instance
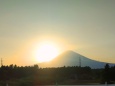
(86, 26)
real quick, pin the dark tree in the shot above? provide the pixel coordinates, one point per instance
(106, 74)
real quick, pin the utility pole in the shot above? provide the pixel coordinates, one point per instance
(1, 62)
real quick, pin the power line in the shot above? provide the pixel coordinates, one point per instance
(79, 62)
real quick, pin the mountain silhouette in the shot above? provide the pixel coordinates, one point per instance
(71, 58)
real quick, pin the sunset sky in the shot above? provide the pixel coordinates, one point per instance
(84, 26)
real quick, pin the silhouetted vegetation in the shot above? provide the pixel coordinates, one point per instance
(33, 75)
(108, 74)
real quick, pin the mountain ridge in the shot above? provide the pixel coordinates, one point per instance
(71, 58)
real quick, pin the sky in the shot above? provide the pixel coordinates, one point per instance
(84, 26)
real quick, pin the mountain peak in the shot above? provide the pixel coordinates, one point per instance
(69, 52)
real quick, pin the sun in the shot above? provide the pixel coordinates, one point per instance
(46, 51)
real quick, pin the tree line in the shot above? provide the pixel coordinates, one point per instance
(108, 74)
(33, 75)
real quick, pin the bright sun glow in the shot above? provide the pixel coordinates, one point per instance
(46, 52)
